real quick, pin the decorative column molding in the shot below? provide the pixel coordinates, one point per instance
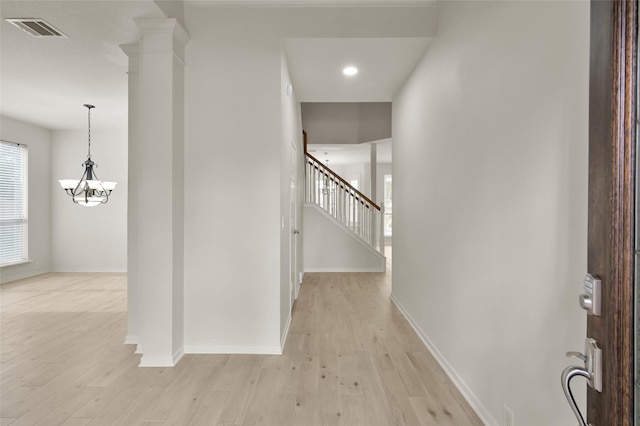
(159, 170)
(163, 28)
(133, 279)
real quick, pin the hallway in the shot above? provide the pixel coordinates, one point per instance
(350, 359)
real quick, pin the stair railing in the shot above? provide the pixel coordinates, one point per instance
(346, 204)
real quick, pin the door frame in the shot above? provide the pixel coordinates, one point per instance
(612, 142)
(293, 225)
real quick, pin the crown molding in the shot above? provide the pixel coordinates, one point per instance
(312, 3)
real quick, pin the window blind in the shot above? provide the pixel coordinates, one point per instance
(13, 203)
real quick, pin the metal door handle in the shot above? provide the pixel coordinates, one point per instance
(592, 371)
(568, 374)
(577, 355)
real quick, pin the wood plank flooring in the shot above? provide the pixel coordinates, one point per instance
(350, 359)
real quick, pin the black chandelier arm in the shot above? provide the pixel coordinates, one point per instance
(77, 190)
(104, 191)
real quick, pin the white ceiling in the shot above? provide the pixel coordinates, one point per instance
(349, 154)
(316, 65)
(46, 81)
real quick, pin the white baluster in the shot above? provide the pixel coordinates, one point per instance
(366, 210)
(308, 183)
(382, 228)
(365, 222)
(316, 198)
(360, 218)
(369, 223)
(311, 177)
(353, 213)
(343, 195)
(339, 199)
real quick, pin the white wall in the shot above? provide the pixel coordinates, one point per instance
(490, 193)
(37, 140)
(91, 239)
(232, 187)
(382, 169)
(233, 156)
(354, 171)
(330, 247)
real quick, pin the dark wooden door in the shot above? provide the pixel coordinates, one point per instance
(612, 141)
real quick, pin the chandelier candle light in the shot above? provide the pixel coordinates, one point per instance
(88, 191)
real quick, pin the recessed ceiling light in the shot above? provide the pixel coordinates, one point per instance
(350, 71)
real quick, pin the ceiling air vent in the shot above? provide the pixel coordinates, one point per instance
(36, 27)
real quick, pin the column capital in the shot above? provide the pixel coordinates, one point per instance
(131, 50)
(163, 25)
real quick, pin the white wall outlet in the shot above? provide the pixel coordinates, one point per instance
(508, 417)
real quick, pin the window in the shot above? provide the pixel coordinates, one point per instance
(388, 205)
(13, 203)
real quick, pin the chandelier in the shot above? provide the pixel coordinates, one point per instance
(89, 191)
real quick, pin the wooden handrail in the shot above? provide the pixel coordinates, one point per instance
(341, 180)
(304, 140)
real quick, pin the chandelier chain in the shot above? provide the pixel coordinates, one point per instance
(89, 119)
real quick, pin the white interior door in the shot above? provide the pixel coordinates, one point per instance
(293, 226)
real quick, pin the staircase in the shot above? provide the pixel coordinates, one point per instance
(348, 209)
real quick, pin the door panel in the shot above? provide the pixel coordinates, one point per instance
(612, 132)
(293, 225)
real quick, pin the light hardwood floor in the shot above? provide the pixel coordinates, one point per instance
(350, 359)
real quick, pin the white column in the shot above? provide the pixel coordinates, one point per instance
(374, 172)
(133, 269)
(374, 190)
(159, 171)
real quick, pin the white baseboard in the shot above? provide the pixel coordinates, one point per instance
(138, 348)
(7, 275)
(368, 269)
(88, 269)
(161, 361)
(235, 350)
(156, 361)
(283, 339)
(177, 356)
(474, 402)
